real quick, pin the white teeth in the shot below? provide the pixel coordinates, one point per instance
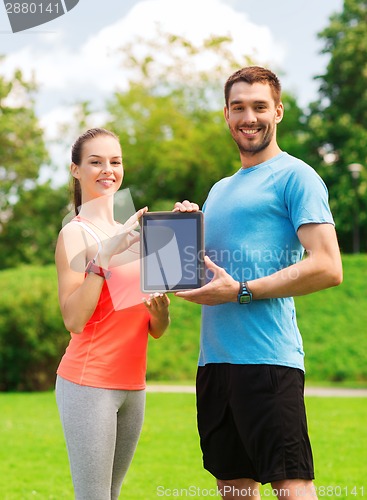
(249, 131)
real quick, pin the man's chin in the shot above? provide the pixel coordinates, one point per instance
(253, 149)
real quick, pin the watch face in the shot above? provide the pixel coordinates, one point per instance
(244, 299)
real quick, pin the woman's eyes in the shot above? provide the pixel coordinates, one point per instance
(97, 162)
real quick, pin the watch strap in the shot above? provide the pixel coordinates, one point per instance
(99, 271)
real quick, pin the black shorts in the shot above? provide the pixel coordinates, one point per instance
(252, 422)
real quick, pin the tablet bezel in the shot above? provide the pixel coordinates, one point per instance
(198, 217)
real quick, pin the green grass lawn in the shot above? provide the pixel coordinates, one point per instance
(33, 460)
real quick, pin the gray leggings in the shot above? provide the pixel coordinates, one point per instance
(101, 428)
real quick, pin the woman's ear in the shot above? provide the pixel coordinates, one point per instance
(74, 169)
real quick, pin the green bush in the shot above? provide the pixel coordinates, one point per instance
(333, 323)
(32, 334)
(33, 337)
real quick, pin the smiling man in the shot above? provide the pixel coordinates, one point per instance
(259, 223)
(252, 112)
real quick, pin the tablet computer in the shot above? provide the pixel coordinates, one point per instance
(172, 251)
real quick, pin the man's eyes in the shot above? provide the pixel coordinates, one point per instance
(256, 108)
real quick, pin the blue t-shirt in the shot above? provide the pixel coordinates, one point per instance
(251, 223)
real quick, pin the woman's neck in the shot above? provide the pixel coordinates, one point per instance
(98, 209)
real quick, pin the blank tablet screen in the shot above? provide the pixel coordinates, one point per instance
(172, 250)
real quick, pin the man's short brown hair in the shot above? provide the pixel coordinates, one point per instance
(251, 75)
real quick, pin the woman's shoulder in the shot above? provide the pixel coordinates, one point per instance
(71, 239)
(71, 228)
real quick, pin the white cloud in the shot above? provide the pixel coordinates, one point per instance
(96, 64)
(93, 70)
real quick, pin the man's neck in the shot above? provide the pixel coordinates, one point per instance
(249, 160)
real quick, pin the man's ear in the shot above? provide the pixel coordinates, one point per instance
(74, 169)
(226, 113)
(279, 113)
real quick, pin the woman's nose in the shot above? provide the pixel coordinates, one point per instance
(107, 167)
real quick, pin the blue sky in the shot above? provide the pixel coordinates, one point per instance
(71, 57)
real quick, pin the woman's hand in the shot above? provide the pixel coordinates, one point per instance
(185, 206)
(122, 240)
(157, 305)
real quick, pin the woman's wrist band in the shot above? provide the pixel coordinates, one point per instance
(99, 271)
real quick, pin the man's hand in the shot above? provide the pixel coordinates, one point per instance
(220, 290)
(185, 206)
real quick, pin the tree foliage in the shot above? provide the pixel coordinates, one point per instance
(22, 148)
(170, 120)
(292, 132)
(175, 141)
(171, 152)
(30, 233)
(30, 214)
(338, 122)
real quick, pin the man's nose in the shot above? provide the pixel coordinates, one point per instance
(249, 116)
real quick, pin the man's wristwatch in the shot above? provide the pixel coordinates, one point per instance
(93, 268)
(244, 295)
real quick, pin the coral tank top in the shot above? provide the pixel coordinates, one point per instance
(111, 351)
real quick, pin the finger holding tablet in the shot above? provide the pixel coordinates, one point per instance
(185, 206)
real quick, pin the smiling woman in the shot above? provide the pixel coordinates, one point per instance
(86, 158)
(100, 387)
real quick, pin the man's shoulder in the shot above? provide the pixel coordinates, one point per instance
(289, 166)
(222, 183)
(287, 160)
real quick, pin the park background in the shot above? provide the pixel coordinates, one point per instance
(160, 90)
